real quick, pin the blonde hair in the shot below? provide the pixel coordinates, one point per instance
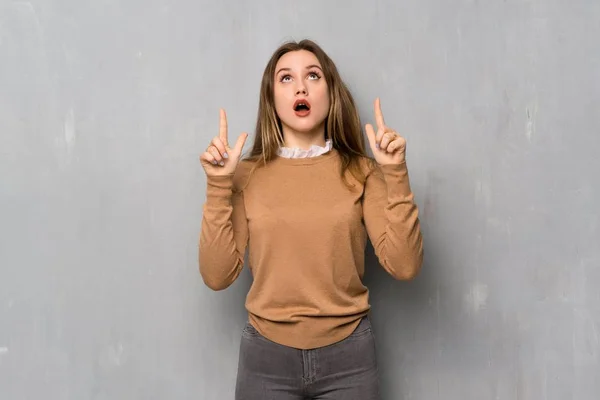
(342, 125)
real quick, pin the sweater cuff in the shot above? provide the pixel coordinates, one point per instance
(219, 189)
(396, 179)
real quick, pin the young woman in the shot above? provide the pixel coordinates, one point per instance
(304, 203)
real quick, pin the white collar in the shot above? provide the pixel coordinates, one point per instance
(295, 152)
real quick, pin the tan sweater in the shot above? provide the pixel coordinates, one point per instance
(306, 234)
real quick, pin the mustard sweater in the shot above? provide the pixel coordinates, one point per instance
(306, 233)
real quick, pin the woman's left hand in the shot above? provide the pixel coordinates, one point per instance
(387, 145)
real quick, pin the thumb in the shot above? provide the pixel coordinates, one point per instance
(239, 144)
(371, 136)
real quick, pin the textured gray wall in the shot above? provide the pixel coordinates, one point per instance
(105, 106)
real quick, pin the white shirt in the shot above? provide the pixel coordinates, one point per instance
(295, 152)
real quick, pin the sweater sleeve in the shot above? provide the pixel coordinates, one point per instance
(392, 221)
(224, 232)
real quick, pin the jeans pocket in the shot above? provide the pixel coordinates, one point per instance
(362, 330)
(249, 330)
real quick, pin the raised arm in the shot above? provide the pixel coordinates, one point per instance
(224, 230)
(392, 221)
(224, 233)
(390, 213)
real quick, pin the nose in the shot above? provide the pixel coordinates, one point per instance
(301, 89)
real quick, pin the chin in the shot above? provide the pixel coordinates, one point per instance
(305, 128)
(304, 125)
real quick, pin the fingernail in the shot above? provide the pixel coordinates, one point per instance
(221, 163)
(214, 162)
(377, 145)
(225, 155)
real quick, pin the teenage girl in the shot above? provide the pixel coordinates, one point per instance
(304, 203)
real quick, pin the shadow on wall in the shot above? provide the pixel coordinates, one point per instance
(400, 314)
(446, 330)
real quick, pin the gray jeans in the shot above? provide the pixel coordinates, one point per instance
(344, 370)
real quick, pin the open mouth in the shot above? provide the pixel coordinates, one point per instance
(302, 107)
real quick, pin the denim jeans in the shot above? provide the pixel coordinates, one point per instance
(345, 370)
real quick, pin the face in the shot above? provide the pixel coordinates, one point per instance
(301, 92)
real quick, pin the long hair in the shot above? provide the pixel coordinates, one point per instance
(343, 125)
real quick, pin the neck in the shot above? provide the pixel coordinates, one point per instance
(304, 140)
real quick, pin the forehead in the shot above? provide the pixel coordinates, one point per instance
(298, 59)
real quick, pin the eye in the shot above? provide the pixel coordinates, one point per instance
(314, 75)
(285, 78)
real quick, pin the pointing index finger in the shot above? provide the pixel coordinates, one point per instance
(223, 127)
(379, 114)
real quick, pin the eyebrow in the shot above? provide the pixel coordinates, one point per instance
(307, 67)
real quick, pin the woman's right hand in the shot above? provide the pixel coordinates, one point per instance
(219, 159)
